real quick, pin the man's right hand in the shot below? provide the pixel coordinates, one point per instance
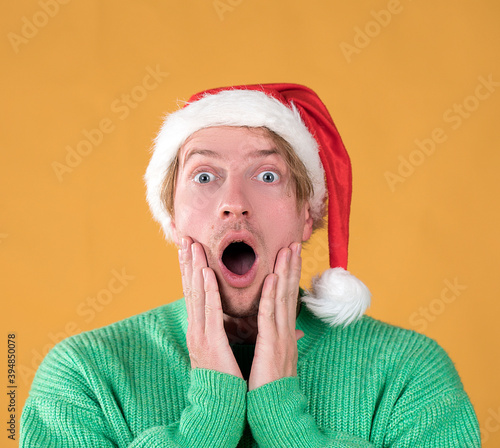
(206, 338)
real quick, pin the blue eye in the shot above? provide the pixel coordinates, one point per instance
(204, 178)
(268, 177)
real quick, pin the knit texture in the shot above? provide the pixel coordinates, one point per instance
(130, 384)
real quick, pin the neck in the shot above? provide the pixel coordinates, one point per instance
(241, 330)
(244, 330)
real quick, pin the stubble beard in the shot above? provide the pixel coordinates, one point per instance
(238, 303)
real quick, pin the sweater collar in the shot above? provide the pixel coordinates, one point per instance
(313, 328)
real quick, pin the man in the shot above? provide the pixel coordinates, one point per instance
(239, 179)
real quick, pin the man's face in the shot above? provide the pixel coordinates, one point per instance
(234, 195)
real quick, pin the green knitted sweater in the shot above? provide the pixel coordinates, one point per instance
(130, 385)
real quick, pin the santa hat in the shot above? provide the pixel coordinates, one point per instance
(296, 114)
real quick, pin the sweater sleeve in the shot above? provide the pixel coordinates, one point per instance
(432, 409)
(70, 404)
(448, 421)
(277, 417)
(425, 406)
(215, 416)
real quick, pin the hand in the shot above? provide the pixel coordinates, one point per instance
(206, 339)
(276, 346)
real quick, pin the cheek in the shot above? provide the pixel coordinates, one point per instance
(193, 213)
(183, 212)
(282, 220)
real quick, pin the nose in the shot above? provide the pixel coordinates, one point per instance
(235, 201)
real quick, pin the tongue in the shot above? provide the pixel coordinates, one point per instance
(238, 258)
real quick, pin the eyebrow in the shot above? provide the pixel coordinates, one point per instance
(259, 153)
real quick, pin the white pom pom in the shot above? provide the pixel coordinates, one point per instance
(337, 297)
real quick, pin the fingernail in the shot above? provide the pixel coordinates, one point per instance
(179, 253)
(288, 255)
(298, 249)
(204, 271)
(184, 243)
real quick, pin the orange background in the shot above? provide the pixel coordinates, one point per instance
(392, 80)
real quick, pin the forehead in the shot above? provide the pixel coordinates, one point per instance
(226, 142)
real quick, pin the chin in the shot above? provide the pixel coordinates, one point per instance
(247, 308)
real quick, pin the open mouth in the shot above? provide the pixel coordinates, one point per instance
(238, 257)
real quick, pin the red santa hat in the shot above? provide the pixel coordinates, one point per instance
(295, 113)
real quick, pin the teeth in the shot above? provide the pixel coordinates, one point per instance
(234, 242)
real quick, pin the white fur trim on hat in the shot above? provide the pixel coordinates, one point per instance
(231, 108)
(337, 297)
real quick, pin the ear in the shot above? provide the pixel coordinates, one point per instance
(308, 224)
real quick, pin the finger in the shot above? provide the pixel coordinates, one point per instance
(294, 281)
(199, 262)
(299, 334)
(181, 265)
(185, 257)
(185, 261)
(295, 263)
(266, 316)
(214, 320)
(282, 302)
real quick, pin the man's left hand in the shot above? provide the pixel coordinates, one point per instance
(276, 346)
